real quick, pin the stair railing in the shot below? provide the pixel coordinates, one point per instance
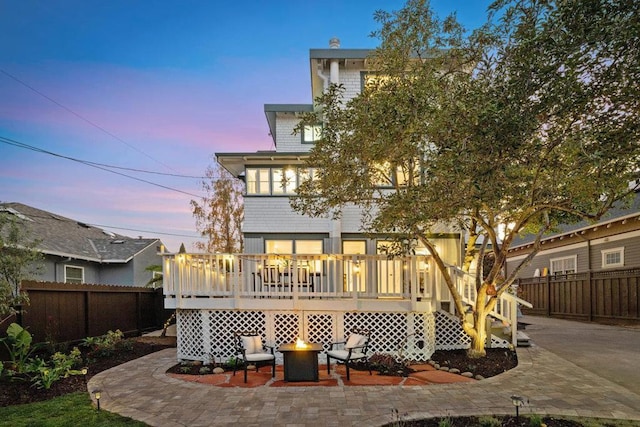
(506, 308)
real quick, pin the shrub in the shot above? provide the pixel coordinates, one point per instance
(105, 345)
(488, 421)
(18, 344)
(535, 420)
(61, 365)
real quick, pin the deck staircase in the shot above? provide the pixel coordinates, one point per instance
(502, 318)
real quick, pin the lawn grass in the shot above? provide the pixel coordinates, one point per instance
(74, 409)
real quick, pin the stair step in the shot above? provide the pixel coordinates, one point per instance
(523, 339)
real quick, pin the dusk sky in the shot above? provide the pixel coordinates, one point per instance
(157, 86)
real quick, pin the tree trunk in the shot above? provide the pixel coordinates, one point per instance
(478, 340)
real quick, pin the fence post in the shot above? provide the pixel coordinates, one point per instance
(138, 315)
(87, 320)
(548, 292)
(590, 294)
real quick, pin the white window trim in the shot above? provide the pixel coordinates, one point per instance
(73, 266)
(606, 252)
(552, 260)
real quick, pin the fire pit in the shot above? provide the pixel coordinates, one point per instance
(300, 360)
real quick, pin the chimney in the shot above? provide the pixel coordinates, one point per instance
(334, 66)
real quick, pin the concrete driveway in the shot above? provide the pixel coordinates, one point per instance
(611, 352)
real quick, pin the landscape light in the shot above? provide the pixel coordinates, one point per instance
(97, 395)
(517, 401)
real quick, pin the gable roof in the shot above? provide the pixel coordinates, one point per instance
(615, 214)
(65, 237)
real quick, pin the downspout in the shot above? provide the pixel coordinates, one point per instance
(325, 79)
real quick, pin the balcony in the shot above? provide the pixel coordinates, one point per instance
(299, 282)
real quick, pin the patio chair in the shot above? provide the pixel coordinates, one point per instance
(351, 350)
(250, 350)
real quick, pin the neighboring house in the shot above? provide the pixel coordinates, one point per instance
(75, 252)
(611, 243)
(313, 278)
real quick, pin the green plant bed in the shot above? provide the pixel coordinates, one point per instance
(530, 420)
(74, 409)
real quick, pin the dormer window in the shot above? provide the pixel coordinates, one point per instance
(311, 133)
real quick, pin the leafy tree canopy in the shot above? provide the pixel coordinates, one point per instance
(18, 259)
(528, 122)
(220, 212)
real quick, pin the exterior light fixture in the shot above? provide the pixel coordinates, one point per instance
(517, 401)
(97, 394)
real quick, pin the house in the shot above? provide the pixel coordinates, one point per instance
(610, 243)
(312, 278)
(75, 252)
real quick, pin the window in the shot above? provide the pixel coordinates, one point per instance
(73, 274)
(311, 133)
(566, 265)
(258, 181)
(280, 181)
(613, 258)
(284, 180)
(278, 246)
(306, 174)
(309, 247)
(354, 247)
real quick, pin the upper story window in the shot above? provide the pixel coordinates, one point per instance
(279, 181)
(284, 180)
(311, 133)
(73, 274)
(613, 258)
(385, 175)
(258, 181)
(566, 265)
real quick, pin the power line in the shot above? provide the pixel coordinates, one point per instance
(32, 148)
(94, 165)
(11, 76)
(147, 231)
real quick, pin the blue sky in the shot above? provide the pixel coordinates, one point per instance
(159, 86)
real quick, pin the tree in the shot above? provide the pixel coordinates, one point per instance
(219, 214)
(514, 128)
(19, 259)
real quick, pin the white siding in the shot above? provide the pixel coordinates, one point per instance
(274, 215)
(286, 140)
(351, 80)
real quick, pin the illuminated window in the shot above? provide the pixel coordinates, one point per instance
(311, 133)
(278, 246)
(257, 181)
(284, 180)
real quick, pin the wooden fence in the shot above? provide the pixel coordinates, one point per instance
(600, 296)
(62, 312)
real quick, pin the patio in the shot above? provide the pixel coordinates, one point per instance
(425, 374)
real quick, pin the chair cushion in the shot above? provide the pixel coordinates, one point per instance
(344, 354)
(259, 357)
(257, 344)
(248, 343)
(355, 340)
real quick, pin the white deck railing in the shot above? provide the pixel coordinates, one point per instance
(506, 308)
(296, 276)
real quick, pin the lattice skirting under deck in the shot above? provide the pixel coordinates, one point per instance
(207, 335)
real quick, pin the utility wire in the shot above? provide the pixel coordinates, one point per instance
(32, 148)
(11, 76)
(147, 231)
(94, 165)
